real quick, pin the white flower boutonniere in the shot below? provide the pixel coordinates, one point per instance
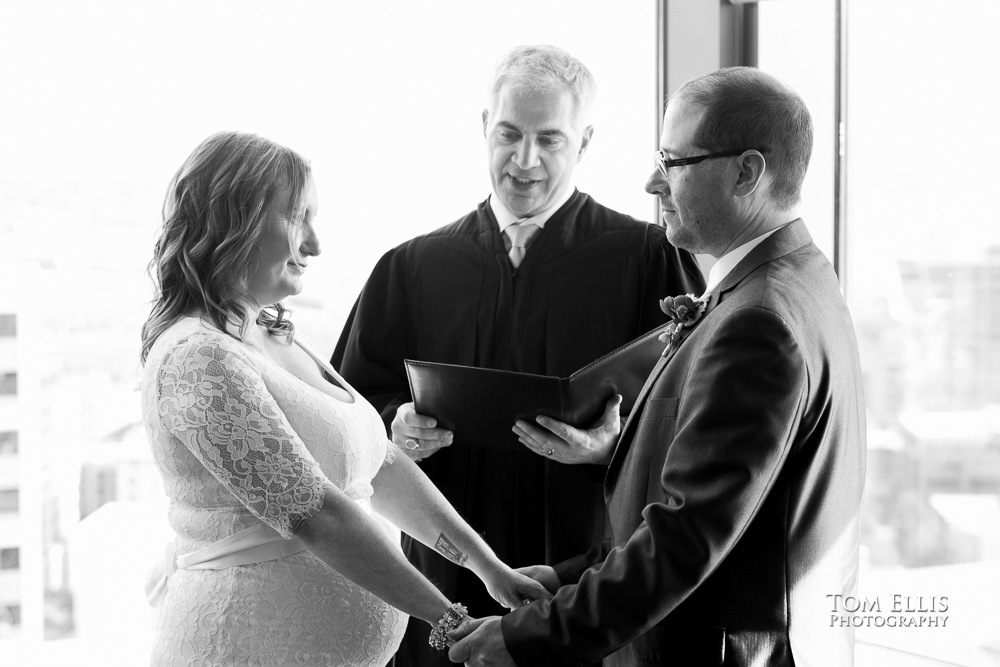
(684, 312)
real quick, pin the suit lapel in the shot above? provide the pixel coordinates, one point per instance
(625, 439)
(789, 238)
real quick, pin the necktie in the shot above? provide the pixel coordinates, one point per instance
(520, 234)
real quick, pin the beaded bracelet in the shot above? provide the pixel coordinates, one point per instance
(451, 620)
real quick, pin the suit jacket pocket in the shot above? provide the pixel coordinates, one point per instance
(659, 408)
(682, 646)
(654, 433)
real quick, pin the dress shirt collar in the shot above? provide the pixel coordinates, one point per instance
(506, 218)
(729, 261)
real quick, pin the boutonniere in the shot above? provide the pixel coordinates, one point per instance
(684, 312)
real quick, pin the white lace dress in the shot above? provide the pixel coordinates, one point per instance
(239, 440)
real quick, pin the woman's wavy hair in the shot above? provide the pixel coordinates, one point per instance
(213, 216)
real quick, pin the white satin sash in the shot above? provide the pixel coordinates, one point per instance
(256, 544)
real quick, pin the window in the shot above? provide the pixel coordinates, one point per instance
(8, 442)
(922, 276)
(926, 264)
(8, 384)
(10, 615)
(8, 500)
(10, 558)
(8, 325)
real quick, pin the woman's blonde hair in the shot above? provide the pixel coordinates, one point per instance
(213, 216)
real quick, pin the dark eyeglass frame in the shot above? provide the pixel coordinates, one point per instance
(662, 163)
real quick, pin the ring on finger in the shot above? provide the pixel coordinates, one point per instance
(550, 451)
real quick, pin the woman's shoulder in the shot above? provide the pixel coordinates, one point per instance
(193, 337)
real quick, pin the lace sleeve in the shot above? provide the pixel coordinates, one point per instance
(214, 401)
(391, 451)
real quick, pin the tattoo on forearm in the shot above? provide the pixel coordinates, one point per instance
(447, 549)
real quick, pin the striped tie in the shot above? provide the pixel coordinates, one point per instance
(520, 234)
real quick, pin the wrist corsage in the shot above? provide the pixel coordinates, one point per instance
(451, 620)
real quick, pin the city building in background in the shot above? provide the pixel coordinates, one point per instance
(22, 589)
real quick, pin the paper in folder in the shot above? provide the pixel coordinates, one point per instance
(480, 405)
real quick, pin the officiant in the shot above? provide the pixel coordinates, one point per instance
(538, 278)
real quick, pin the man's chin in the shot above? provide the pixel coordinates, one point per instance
(677, 237)
(522, 204)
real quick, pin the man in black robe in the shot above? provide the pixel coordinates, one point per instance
(539, 278)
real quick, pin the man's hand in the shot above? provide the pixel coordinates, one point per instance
(567, 444)
(543, 574)
(416, 434)
(479, 643)
(514, 588)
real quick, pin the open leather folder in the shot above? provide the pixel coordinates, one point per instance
(480, 405)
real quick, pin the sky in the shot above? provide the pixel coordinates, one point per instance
(107, 98)
(383, 98)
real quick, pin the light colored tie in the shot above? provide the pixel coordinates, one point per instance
(520, 234)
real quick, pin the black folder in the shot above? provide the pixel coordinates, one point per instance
(480, 405)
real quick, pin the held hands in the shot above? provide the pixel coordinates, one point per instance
(479, 643)
(416, 434)
(515, 588)
(446, 636)
(567, 444)
(544, 575)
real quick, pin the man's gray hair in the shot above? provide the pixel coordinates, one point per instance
(747, 108)
(545, 68)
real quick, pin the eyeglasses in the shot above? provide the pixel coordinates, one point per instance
(662, 163)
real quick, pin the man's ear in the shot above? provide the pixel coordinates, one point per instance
(486, 118)
(751, 172)
(585, 136)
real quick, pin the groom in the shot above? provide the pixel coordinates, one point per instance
(735, 488)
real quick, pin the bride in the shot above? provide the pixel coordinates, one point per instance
(285, 494)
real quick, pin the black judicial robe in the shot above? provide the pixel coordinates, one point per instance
(591, 281)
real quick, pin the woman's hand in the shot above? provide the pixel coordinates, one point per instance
(463, 628)
(513, 589)
(543, 574)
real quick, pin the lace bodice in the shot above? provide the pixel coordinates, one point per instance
(238, 440)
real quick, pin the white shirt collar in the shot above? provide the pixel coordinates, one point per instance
(506, 218)
(729, 261)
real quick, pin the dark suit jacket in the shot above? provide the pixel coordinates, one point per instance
(734, 492)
